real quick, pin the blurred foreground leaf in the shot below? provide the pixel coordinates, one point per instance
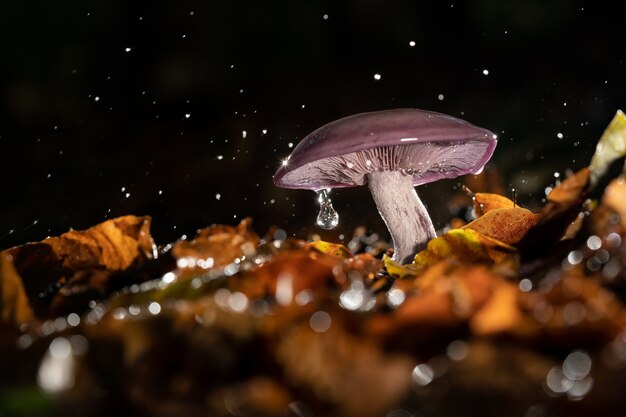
(14, 306)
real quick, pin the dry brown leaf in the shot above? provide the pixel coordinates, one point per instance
(14, 306)
(114, 245)
(220, 243)
(508, 225)
(571, 189)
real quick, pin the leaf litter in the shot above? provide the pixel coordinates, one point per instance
(230, 323)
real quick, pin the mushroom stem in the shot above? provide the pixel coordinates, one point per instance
(403, 212)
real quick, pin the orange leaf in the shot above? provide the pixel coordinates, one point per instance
(485, 202)
(615, 198)
(219, 245)
(14, 305)
(571, 189)
(114, 244)
(508, 225)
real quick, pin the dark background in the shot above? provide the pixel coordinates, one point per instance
(90, 130)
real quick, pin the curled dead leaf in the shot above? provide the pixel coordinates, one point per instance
(571, 189)
(485, 202)
(114, 244)
(218, 245)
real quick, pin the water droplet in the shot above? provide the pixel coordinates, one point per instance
(327, 218)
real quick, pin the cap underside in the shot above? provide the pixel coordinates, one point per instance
(426, 162)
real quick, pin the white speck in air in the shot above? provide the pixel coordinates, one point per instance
(412, 43)
(187, 115)
(377, 76)
(485, 71)
(244, 134)
(325, 17)
(128, 49)
(218, 196)
(559, 135)
(96, 98)
(440, 97)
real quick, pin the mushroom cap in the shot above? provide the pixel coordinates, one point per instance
(427, 145)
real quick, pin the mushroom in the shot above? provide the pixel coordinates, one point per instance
(391, 151)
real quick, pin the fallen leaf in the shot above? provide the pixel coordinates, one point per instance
(501, 313)
(342, 369)
(484, 202)
(448, 295)
(466, 245)
(114, 245)
(610, 147)
(14, 306)
(508, 225)
(615, 198)
(287, 275)
(216, 246)
(334, 249)
(571, 189)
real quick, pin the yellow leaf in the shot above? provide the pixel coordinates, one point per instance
(399, 271)
(611, 146)
(466, 245)
(328, 248)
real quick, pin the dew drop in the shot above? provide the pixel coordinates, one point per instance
(327, 218)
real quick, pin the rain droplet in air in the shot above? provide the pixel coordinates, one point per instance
(327, 218)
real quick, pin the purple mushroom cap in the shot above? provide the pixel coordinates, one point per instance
(427, 145)
(391, 151)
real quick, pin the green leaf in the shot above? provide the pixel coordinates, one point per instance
(611, 146)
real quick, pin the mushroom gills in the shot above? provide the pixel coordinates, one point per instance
(403, 212)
